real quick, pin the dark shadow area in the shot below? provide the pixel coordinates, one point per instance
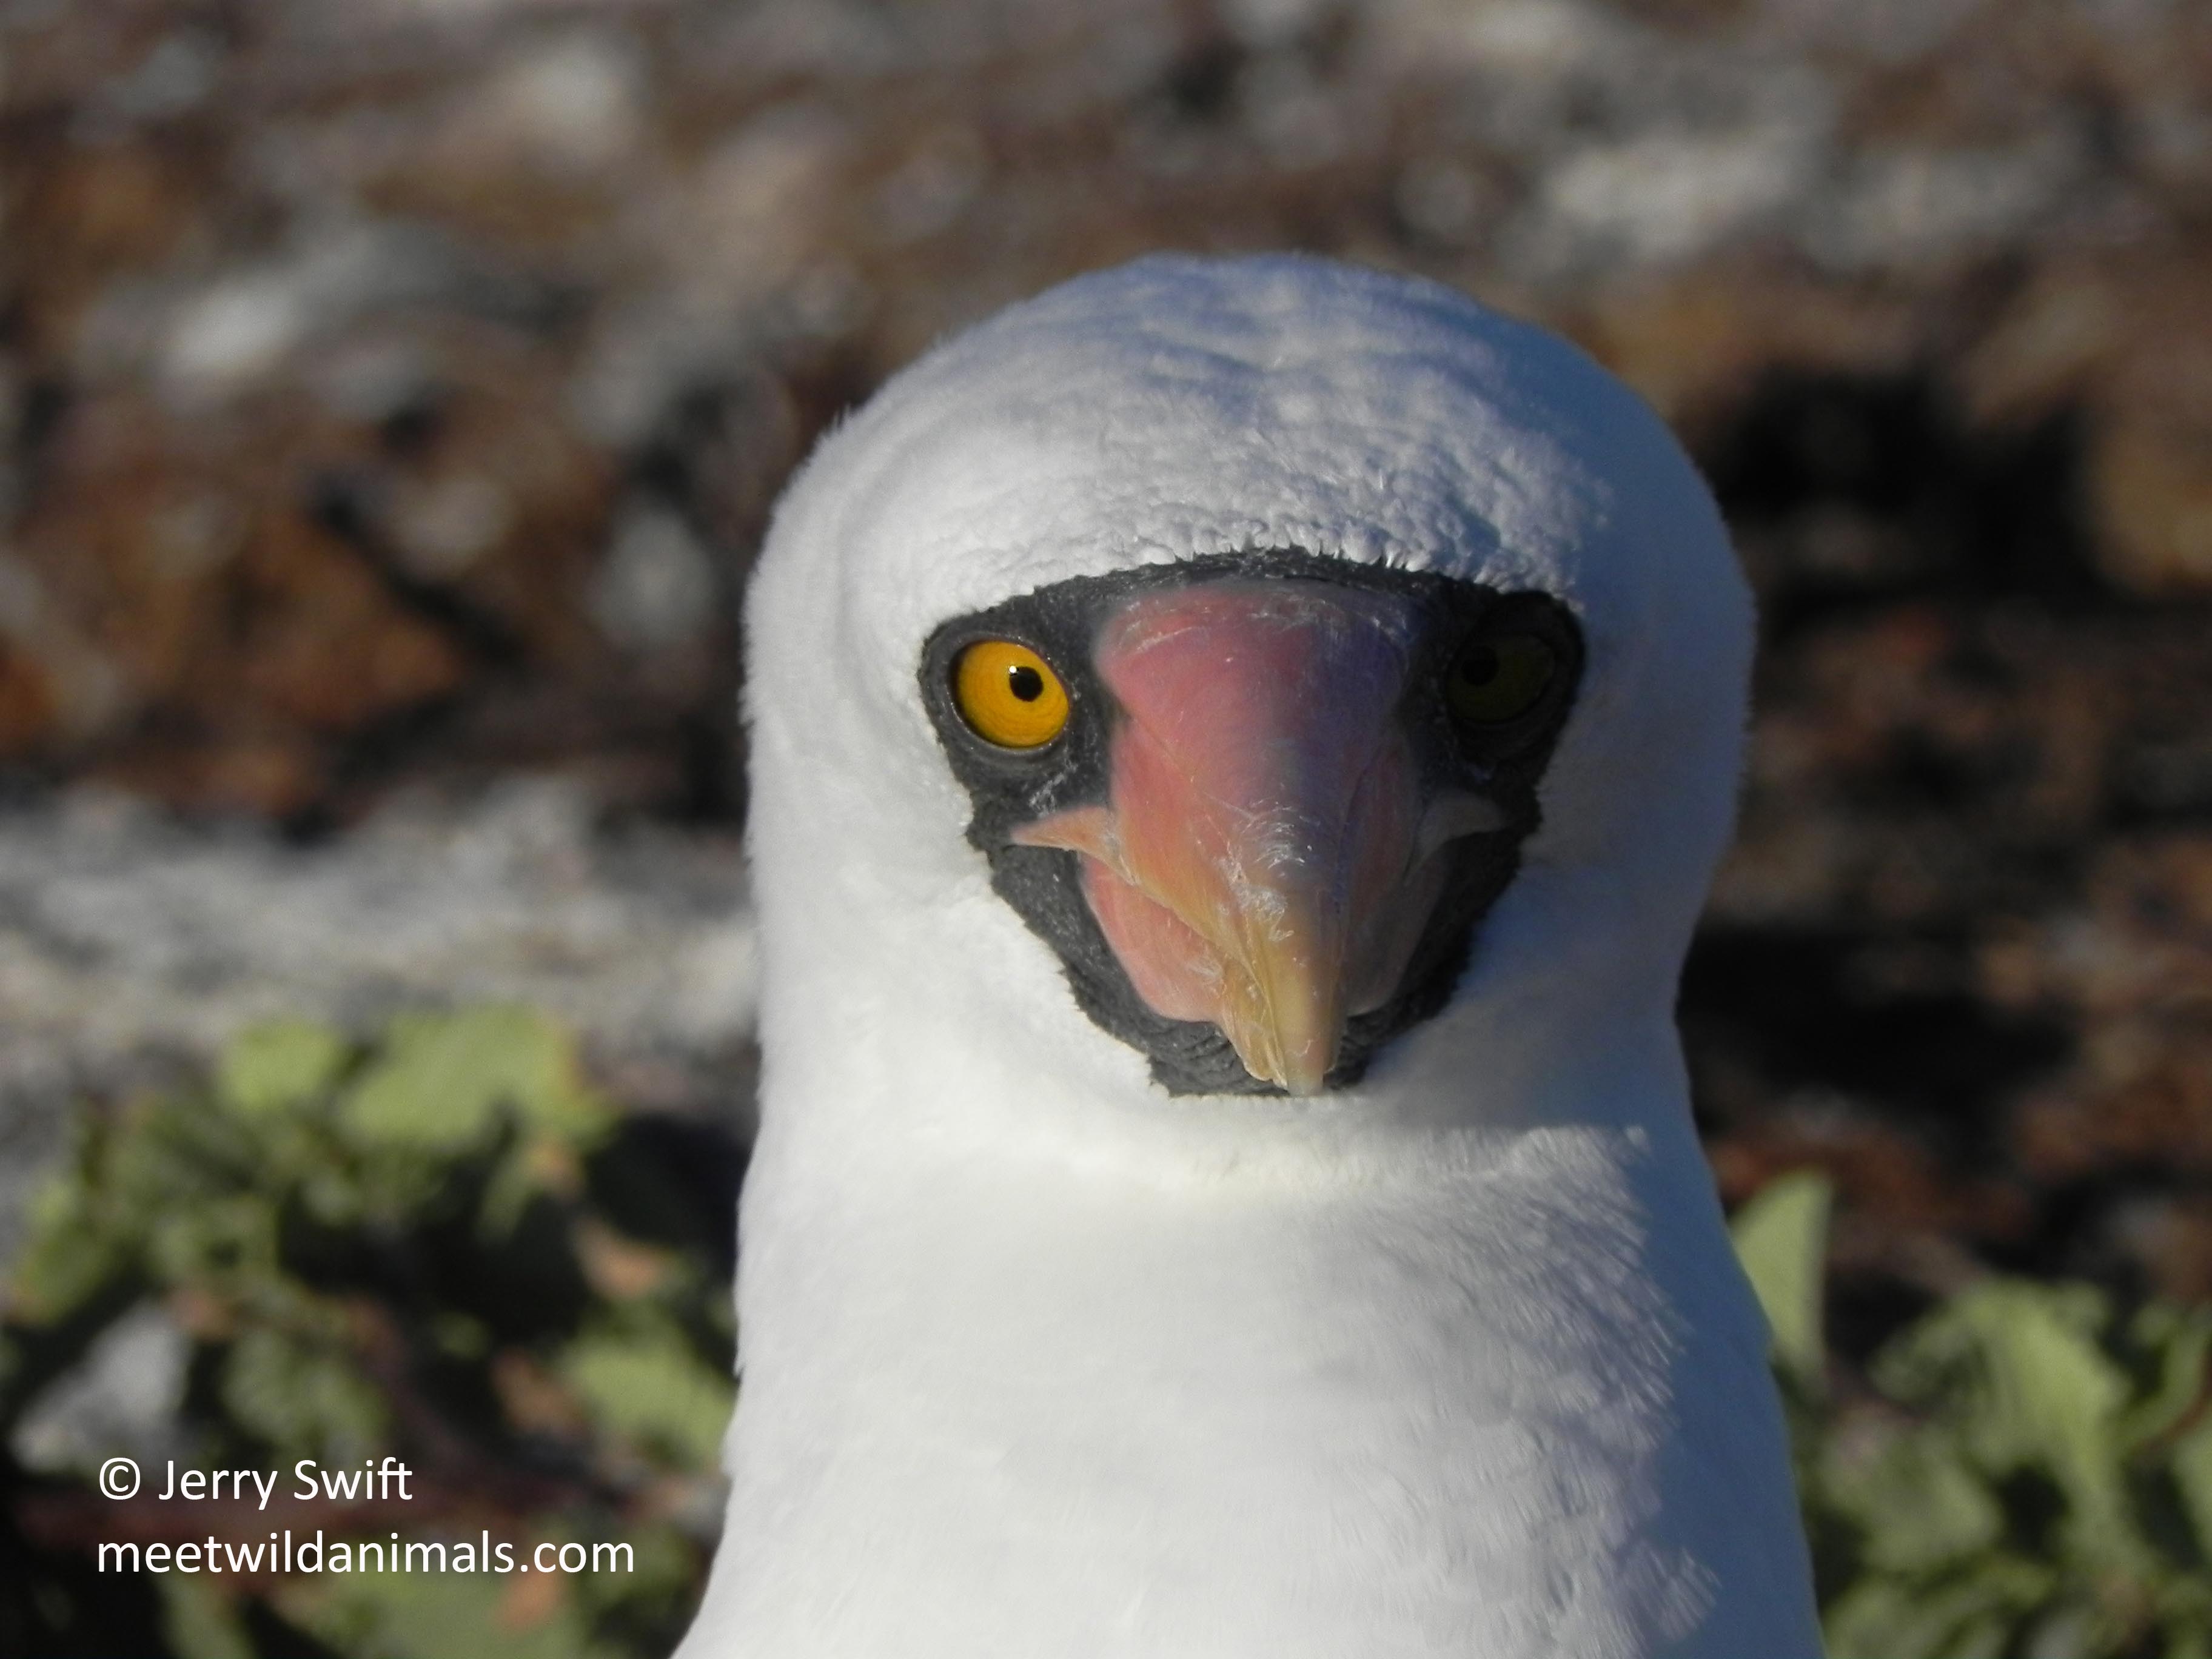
(1850, 492)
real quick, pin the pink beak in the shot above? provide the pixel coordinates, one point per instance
(1267, 860)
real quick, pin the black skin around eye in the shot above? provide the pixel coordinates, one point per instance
(1043, 885)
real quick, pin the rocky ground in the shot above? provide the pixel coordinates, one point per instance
(393, 391)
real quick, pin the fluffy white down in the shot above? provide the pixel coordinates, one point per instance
(1038, 1360)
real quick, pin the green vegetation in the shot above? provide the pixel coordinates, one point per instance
(441, 1245)
(2022, 1474)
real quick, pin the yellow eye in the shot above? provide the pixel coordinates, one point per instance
(1008, 694)
(1495, 680)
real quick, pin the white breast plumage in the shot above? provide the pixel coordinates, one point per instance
(1239, 748)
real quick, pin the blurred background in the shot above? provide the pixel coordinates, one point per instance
(392, 394)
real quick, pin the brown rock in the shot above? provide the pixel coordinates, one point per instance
(27, 702)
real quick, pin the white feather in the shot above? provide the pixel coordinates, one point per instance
(1039, 1360)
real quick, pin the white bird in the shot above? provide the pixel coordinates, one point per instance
(1238, 750)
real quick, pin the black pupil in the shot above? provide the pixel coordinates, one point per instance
(1025, 683)
(1480, 665)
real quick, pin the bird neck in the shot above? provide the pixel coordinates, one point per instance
(1324, 1398)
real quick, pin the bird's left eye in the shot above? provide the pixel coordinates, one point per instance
(1500, 678)
(1009, 695)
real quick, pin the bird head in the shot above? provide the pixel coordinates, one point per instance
(1280, 676)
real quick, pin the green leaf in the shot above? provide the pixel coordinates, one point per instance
(214, 1241)
(442, 1080)
(526, 1168)
(200, 1620)
(1781, 1238)
(1919, 1504)
(2069, 1631)
(437, 1615)
(648, 1386)
(1968, 1616)
(268, 1067)
(2016, 1368)
(2179, 1341)
(2192, 1474)
(70, 1255)
(301, 1397)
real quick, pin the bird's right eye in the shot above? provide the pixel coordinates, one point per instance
(1009, 695)
(1498, 679)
